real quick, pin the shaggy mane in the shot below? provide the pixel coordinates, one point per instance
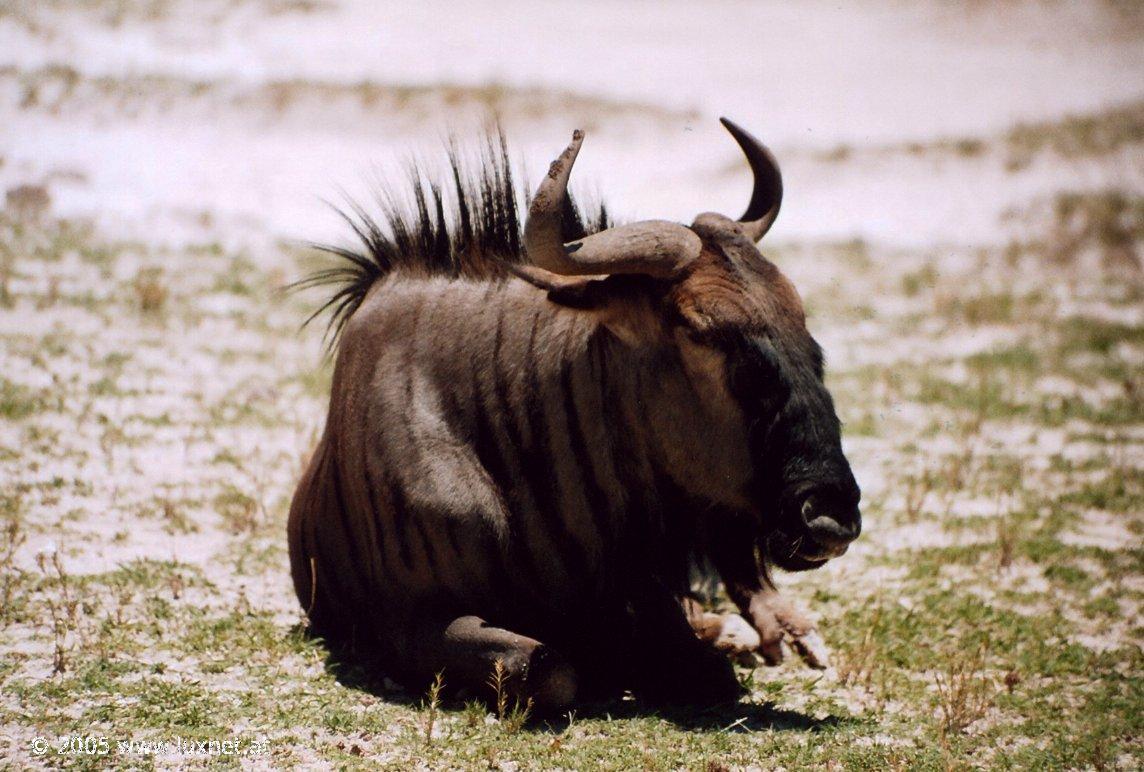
(472, 235)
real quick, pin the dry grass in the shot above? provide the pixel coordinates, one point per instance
(855, 665)
(14, 538)
(1110, 223)
(512, 718)
(1008, 538)
(432, 705)
(63, 607)
(964, 692)
(150, 291)
(918, 489)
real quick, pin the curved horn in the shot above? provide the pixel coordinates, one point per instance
(653, 247)
(767, 196)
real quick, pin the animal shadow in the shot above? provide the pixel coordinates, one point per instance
(354, 672)
(739, 717)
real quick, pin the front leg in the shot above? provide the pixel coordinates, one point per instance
(728, 633)
(731, 546)
(782, 620)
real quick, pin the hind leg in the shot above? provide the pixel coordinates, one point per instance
(467, 649)
(671, 664)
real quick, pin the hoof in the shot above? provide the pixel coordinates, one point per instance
(707, 678)
(736, 635)
(549, 681)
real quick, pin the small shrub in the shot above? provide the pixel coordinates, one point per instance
(150, 292)
(964, 693)
(1007, 537)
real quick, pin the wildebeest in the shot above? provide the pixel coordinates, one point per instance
(536, 434)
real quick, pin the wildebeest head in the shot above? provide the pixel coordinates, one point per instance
(731, 311)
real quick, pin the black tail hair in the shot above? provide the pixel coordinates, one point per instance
(480, 234)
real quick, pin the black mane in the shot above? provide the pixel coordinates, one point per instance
(479, 234)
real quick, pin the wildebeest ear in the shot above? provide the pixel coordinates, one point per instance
(621, 303)
(582, 294)
(573, 291)
(547, 280)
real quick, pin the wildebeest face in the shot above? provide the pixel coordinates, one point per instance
(739, 304)
(731, 306)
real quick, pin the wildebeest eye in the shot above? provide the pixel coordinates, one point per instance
(755, 374)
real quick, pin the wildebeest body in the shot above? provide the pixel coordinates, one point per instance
(521, 465)
(508, 449)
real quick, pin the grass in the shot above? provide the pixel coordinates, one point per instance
(964, 694)
(1119, 491)
(17, 401)
(1110, 222)
(987, 617)
(37, 17)
(1081, 136)
(54, 88)
(1077, 135)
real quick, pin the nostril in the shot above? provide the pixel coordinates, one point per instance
(828, 530)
